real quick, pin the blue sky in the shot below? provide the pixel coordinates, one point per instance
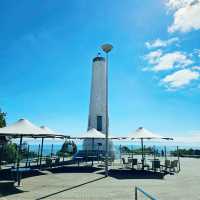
(46, 51)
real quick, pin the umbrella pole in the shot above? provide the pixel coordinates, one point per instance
(18, 161)
(165, 153)
(27, 156)
(120, 153)
(179, 164)
(41, 152)
(1, 155)
(51, 150)
(132, 151)
(15, 161)
(132, 156)
(98, 151)
(38, 154)
(92, 145)
(92, 149)
(142, 153)
(154, 152)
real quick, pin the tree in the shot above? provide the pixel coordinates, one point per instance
(2, 119)
(3, 139)
(68, 148)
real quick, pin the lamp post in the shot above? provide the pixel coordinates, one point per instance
(106, 48)
(99, 144)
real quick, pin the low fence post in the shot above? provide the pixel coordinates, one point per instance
(136, 196)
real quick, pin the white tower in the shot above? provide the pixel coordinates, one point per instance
(97, 110)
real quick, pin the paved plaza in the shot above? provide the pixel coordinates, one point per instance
(90, 184)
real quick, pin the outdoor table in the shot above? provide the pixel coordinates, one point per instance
(144, 164)
(79, 158)
(132, 161)
(92, 158)
(28, 162)
(153, 161)
(52, 159)
(104, 159)
(19, 172)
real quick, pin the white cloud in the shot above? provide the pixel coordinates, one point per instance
(186, 16)
(196, 68)
(161, 43)
(197, 51)
(180, 78)
(167, 61)
(176, 4)
(153, 56)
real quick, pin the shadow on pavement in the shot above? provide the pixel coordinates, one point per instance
(11, 190)
(74, 169)
(70, 188)
(32, 173)
(134, 174)
(8, 175)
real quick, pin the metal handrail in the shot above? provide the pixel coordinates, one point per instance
(143, 192)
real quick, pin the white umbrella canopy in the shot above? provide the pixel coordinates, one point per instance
(24, 128)
(142, 133)
(52, 133)
(93, 134)
(47, 129)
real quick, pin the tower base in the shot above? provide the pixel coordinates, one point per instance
(97, 149)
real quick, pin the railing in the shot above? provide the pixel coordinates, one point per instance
(144, 193)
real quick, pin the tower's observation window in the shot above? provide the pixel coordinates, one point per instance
(99, 123)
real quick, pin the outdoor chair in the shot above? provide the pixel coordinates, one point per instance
(167, 165)
(133, 162)
(48, 162)
(144, 166)
(125, 163)
(174, 166)
(156, 165)
(171, 165)
(57, 161)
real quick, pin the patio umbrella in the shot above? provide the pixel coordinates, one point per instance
(142, 133)
(23, 128)
(51, 134)
(93, 134)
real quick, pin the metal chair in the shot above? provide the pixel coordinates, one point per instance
(174, 166)
(156, 165)
(57, 161)
(125, 164)
(133, 162)
(145, 165)
(166, 165)
(48, 162)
